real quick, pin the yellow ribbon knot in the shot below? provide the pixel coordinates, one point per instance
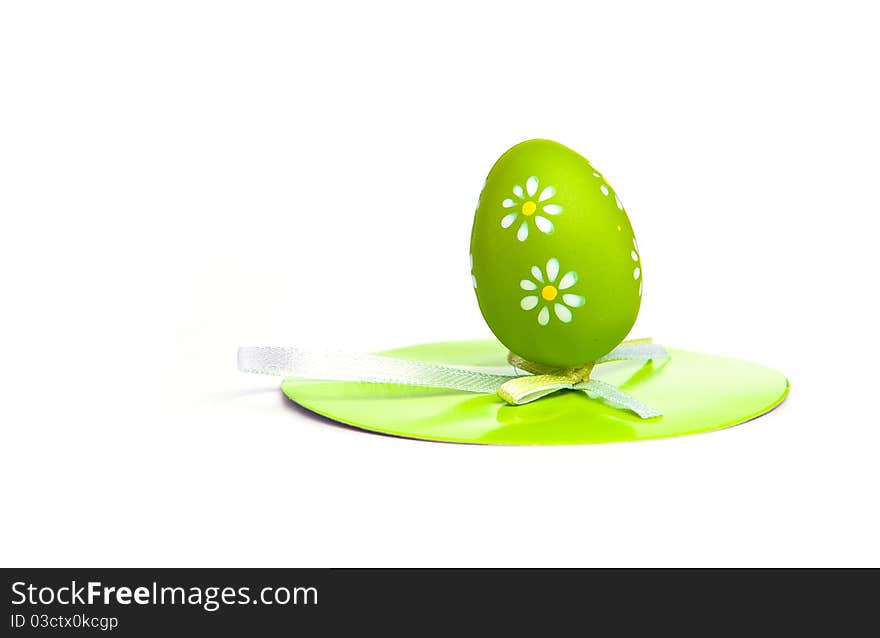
(542, 381)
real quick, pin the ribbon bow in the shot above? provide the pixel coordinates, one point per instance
(515, 389)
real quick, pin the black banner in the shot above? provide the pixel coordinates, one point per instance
(150, 602)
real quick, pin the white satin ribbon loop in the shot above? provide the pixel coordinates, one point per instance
(328, 365)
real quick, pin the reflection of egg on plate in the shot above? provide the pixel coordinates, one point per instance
(555, 256)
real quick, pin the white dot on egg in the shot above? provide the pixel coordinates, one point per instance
(604, 189)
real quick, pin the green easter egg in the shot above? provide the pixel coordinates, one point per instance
(556, 266)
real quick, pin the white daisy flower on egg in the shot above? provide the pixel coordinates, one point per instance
(637, 270)
(528, 204)
(548, 293)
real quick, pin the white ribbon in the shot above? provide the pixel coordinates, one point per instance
(369, 368)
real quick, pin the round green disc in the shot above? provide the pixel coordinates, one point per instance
(696, 393)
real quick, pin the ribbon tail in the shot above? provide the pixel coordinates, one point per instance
(368, 368)
(618, 398)
(526, 389)
(635, 351)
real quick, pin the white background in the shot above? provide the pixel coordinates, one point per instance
(177, 179)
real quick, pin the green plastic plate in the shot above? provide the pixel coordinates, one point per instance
(696, 393)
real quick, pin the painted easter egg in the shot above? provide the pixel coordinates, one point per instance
(555, 263)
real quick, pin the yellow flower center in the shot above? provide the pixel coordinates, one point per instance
(549, 292)
(529, 208)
